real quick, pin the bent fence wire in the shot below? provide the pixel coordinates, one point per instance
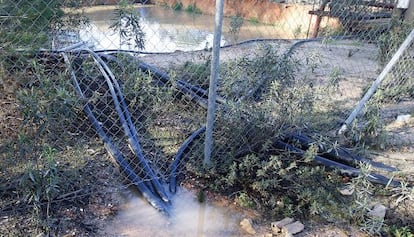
(71, 73)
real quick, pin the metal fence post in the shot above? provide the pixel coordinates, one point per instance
(377, 83)
(212, 93)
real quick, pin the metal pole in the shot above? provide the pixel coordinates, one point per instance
(214, 75)
(377, 82)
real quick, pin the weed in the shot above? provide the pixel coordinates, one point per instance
(254, 20)
(192, 8)
(49, 103)
(249, 78)
(236, 22)
(126, 21)
(362, 203)
(400, 231)
(371, 132)
(297, 32)
(244, 200)
(403, 193)
(335, 77)
(197, 74)
(41, 184)
(177, 6)
(389, 41)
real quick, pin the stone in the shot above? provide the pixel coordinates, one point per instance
(277, 225)
(403, 118)
(346, 191)
(268, 235)
(293, 228)
(246, 225)
(378, 212)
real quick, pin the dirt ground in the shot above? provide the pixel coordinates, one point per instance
(105, 199)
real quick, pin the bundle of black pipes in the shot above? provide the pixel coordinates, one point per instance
(154, 192)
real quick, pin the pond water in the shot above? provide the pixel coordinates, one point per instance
(188, 218)
(167, 30)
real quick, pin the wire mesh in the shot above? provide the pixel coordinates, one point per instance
(276, 79)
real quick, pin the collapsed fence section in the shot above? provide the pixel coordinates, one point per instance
(280, 100)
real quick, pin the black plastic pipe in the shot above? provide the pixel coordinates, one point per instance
(337, 153)
(114, 151)
(126, 122)
(343, 169)
(179, 155)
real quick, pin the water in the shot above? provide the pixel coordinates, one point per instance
(167, 30)
(189, 218)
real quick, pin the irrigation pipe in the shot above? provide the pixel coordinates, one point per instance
(165, 78)
(187, 89)
(257, 40)
(113, 150)
(179, 155)
(152, 177)
(343, 169)
(126, 122)
(338, 153)
(377, 83)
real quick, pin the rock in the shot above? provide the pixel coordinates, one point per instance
(246, 225)
(293, 228)
(277, 225)
(268, 235)
(403, 118)
(346, 191)
(378, 212)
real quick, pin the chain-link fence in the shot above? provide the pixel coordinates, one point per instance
(133, 77)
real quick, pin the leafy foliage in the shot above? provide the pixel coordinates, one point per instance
(42, 185)
(236, 22)
(27, 23)
(48, 103)
(127, 22)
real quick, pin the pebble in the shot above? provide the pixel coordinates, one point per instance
(287, 227)
(403, 118)
(378, 212)
(346, 191)
(293, 228)
(277, 225)
(246, 225)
